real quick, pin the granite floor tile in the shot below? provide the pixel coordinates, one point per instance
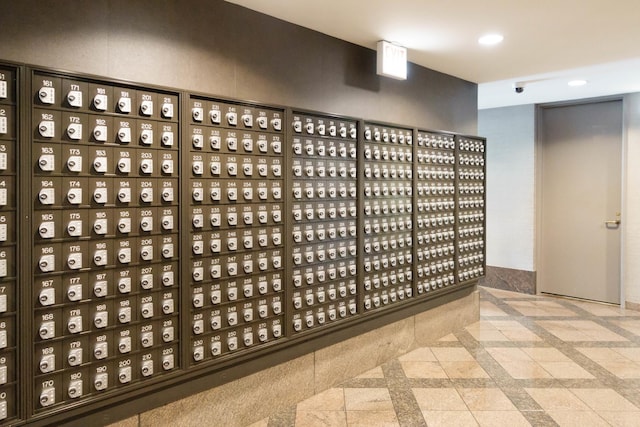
(529, 360)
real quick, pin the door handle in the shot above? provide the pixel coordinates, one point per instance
(612, 223)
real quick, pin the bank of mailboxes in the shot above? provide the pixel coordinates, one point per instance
(324, 218)
(471, 208)
(8, 243)
(387, 276)
(165, 238)
(105, 226)
(237, 227)
(436, 208)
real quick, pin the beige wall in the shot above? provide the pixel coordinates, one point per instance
(631, 202)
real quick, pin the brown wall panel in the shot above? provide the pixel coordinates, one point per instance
(214, 47)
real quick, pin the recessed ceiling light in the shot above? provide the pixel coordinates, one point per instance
(490, 39)
(577, 83)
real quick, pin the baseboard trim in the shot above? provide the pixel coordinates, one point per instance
(509, 279)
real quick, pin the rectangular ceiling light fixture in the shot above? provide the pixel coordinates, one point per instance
(392, 60)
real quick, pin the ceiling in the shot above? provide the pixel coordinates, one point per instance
(546, 42)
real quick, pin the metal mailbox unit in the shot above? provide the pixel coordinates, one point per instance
(470, 199)
(387, 200)
(156, 242)
(436, 211)
(324, 220)
(10, 79)
(105, 297)
(237, 217)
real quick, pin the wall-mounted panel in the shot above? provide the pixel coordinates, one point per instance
(387, 211)
(9, 281)
(236, 220)
(436, 211)
(470, 201)
(104, 286)
(324, 248)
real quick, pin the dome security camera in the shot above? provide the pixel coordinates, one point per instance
(518, 87)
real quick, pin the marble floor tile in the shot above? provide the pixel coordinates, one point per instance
(545, 354)
(488, 335)
(449, 418)
(632, 326)
(621, 369)
(620, 418)
(490, 309)
(328, 400)
(565, 370)
(367, 399)
(423, 354)
(321, 418)
(578, 419)
(500, 418)
(557, 399)
(604, 400)
(452, 354)
(522, 370)
(373, 373)
(448, 338)
(536, 309)
(509, 354)
(372, 418)
(602, 354)
(486, 399)
(423, 370)
(439, 399)
(468, 369)
(520, 335)
(631, 353)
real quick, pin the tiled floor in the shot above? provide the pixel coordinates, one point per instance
(530, 360)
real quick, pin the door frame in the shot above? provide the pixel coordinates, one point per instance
(538, 150)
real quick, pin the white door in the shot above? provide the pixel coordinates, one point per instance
(581, 179)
